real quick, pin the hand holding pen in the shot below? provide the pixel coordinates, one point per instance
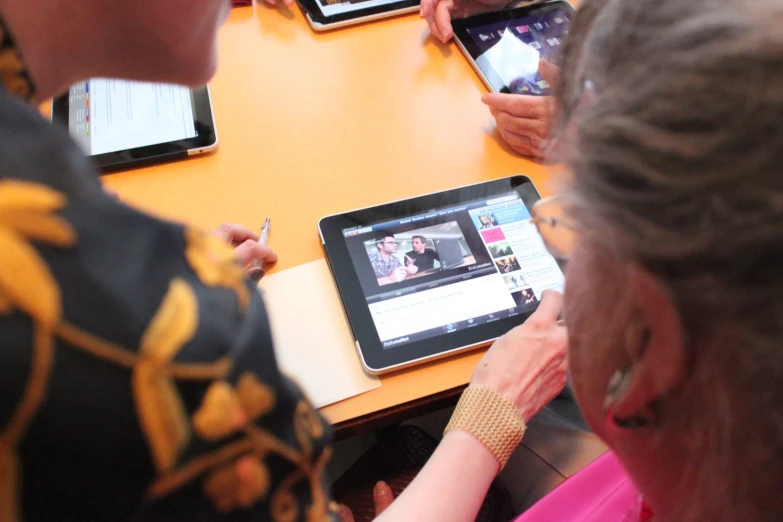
(248, 247)
(256, 270)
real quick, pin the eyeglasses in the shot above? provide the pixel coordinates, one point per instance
(389, 242)
(556, 228)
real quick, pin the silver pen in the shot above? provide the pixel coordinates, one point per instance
(257, 268)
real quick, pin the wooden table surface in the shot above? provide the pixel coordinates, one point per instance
(312, 124)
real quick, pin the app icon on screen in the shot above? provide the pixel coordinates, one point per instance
(535, 45)
(522, 29)
(538, 26)
(559, 20)
(543, 84)
(553, 42)
(483, 37)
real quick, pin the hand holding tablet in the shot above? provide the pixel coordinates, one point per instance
(506, 47)
(525, 122)
(439, 13)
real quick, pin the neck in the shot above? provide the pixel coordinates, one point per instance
(693, 479)
(51, 41)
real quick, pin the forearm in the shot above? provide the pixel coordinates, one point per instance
(452, 485)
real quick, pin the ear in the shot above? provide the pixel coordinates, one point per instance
(656, 346)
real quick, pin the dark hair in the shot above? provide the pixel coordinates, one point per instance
(382, 238)
(420, 238)
(671, 120)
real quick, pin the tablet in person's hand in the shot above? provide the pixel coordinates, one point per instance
(505, 47)
(441, 273)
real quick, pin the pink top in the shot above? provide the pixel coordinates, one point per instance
(601, 492)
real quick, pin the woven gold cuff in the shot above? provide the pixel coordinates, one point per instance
(490, 417)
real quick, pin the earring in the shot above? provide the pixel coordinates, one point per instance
(618, 383)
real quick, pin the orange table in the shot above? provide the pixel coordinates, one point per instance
(314, 124)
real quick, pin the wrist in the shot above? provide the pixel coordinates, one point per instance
(491, 418)
(469, 447)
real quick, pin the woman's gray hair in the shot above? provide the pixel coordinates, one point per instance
(672, 121)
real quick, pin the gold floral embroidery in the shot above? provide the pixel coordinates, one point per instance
(256, 397)
(215, 419)
(318, 510)
(25, 280)
(213, 261)
(240, 484)
(27, 284)
(284, 507)
(222, 413)
(225, 411)
(307, 426)
(161, 412)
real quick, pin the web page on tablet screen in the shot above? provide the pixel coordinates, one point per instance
(456, 268)
(108, 115)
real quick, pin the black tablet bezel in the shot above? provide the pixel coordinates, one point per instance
(158, 153)
(376, 358)
(461, 25)
(310, 8)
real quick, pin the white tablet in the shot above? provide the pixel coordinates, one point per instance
(122, 124)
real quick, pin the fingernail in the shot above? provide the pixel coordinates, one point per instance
(485, 98)
(381, 489)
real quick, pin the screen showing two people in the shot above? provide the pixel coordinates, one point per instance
(451, 268)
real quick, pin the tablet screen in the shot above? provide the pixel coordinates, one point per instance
(108, 115)
(451, 269)
(508, 52)
(337, 7)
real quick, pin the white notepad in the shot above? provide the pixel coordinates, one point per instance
(313, 342)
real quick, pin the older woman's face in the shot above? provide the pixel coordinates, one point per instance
(596, 318)
(169, 41)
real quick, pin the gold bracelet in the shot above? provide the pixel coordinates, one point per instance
(490, 417)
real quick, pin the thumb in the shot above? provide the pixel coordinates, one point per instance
(345, 514)
(383, 497)
(549, 72)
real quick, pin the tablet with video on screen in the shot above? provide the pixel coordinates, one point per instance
(438, 274)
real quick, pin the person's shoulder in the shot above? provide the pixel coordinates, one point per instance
(36, 151)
